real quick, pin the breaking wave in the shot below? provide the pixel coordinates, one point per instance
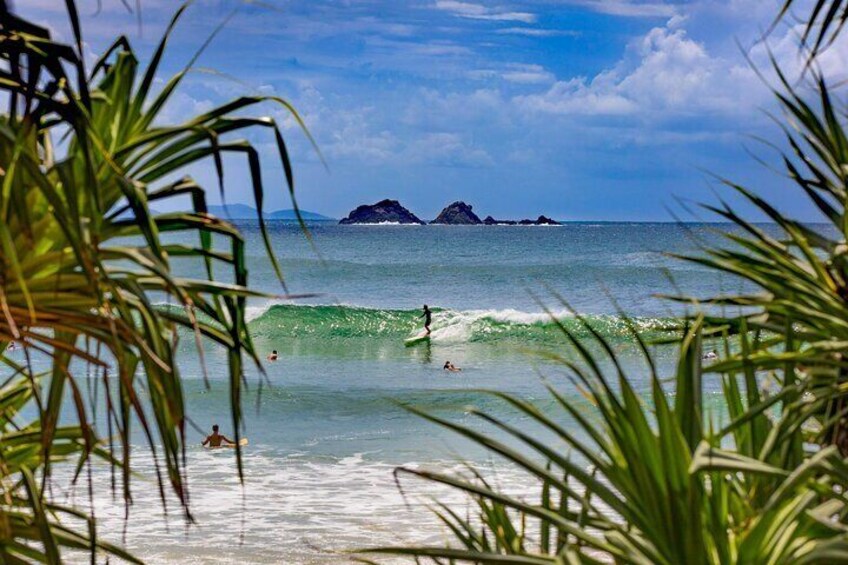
(449, 326)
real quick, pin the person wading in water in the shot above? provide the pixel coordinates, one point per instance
(215, 439)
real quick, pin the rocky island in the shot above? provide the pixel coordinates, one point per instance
(457, 214)
(461, 214)
(383, 212)
(540, 221)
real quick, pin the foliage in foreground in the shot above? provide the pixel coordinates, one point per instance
(668, 482)
(83, 159)
(658, 485)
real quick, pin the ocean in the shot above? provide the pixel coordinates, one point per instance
(328, 432)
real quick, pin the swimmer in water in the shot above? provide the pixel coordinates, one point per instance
(451, 367)
(273, 356)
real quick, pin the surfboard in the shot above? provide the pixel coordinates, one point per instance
(420, 338)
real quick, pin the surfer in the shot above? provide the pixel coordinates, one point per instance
(273, 356)
(428, 318)
(215, 439)
(451, 367)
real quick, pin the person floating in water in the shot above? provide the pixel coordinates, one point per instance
(428, 318)
(451, 367)
(273, 356)
(216, 439)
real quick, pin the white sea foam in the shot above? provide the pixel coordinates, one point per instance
(512, 316)
(253, 312)
(291, 509)
(457, 326)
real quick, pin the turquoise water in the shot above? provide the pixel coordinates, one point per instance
(487, 267)
(327, 432)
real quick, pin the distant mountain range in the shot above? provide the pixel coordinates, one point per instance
(245, 212)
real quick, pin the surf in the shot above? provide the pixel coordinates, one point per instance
(339, 322)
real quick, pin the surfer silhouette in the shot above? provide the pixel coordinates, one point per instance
(215, 439)
(428, 318)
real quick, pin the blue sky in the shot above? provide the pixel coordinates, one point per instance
(577, 109)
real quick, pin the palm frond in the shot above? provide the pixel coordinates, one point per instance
(82, 157)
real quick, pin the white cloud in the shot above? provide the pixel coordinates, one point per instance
(481, 12)
(663, 72)
(370, 135)
(446, 149)
(516, 72)
(528, 74)
(629, 8)
(435, 109)
(576, 96)
(353, 141)
(831, 63)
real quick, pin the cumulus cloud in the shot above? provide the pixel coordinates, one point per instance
(832, 62)
(481, 12)
(664, 71)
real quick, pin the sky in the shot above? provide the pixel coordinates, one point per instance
(619, 110)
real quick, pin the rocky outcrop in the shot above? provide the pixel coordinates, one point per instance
(457, 214)
(383, 212)
(490, 221)
(540, 221)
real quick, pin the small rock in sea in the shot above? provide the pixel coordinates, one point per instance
(545, 221)
(490, 221)
(540, 221)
